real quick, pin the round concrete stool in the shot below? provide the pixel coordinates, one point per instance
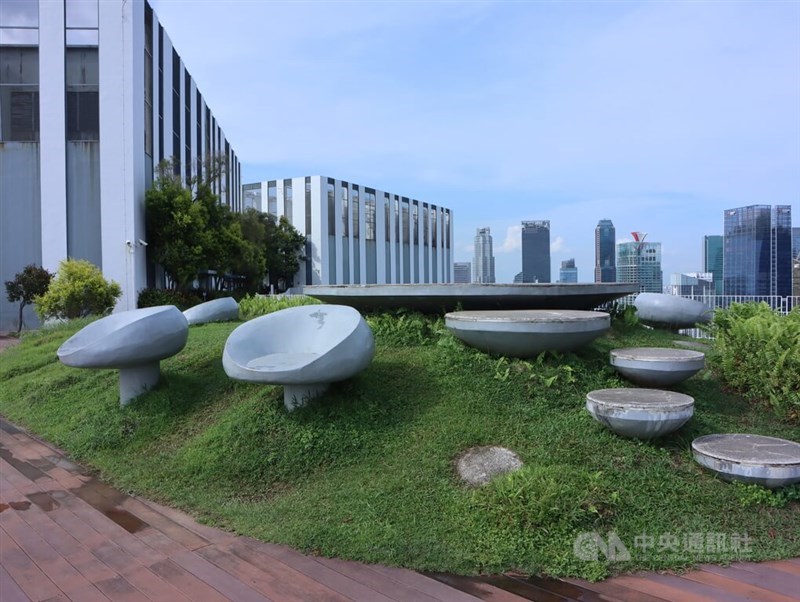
(527, 332)
(766, 461)
(640, 413)
(657, 366)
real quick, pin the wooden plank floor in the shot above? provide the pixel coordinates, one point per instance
(64, 535)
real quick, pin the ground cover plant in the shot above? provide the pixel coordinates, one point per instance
(366, 472)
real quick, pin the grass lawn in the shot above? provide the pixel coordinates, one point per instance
(366, 472)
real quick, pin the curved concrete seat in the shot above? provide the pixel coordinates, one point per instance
(224, 309)
(527, 332)
(657, 366)
(302, 348)
(640, 413)
(766, 461)
(132, 341)
(670, 311)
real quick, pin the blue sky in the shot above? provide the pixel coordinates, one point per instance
(657, 115)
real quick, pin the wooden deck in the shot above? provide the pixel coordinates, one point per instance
(64, 535)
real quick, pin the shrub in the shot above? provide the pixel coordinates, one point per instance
(78, 290)
(403, 328)
(33, 281)
(757, 353)
(152, 297)
(260, 305)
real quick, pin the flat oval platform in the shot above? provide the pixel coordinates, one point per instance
(767, 461)
(670, 311)
(657, 366)
(526, 333)
(441, 298)
(640, 413)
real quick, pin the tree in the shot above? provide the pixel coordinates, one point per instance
(284, 252)
(78, 290)
(30, 283)
(176, 227)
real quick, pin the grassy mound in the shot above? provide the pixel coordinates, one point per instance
(366, 472)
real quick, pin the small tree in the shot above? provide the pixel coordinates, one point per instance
(28, 284)
(285, 251)
(78, 290)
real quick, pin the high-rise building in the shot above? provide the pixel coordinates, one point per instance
(758, 250)
(639, 262)
(795, 242)
(483, 261)
(360, 235)
(93, 96)
(462, 272)
(605, 239)
(712, 260)
(536, 251)
(692, 284)
(796, 261)
(568, 272)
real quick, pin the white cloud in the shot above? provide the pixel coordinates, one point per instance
(557, 245)
(513, 241)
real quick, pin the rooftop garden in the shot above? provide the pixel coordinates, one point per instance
(366, 472)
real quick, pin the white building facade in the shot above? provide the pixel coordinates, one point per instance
(92, 97)
(357, 234)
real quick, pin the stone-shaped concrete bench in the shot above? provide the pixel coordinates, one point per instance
(766, 461)
(657, 366)
(670, 311)
(134, 342)
(527, 332)
(640, 413)
(224, 309)
(302, 348)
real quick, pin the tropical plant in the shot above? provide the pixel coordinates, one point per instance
(28, 284)
(78, 290)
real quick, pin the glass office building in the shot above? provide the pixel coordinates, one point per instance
(483, 261)
(605, 239)
(712, 260)
(640, 263)
(758, 250)
(536, 251)
(568, 272)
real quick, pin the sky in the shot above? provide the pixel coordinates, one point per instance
(656, 115)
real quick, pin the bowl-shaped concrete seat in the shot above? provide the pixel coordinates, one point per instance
(766, 461)
(302, 348)
(224, 309)
(657, 366)
(640, 413)
(670, 311)
(527, 332)
(134, 342)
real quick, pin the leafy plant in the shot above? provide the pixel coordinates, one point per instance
(78, 290)
(756, 495)
(33, 281)
(405, 328)
(253, 306)
(757, 353)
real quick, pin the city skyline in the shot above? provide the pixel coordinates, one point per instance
(582, 111)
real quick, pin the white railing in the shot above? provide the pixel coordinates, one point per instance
(782, 305)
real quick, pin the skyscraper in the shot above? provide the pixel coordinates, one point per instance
(712, 259)
(758, 250)
(483, 262)
(639, 262)
(568, 272)
(462, 272)
(536, 251)
(605, 237)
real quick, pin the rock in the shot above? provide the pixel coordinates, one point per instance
(479, 465)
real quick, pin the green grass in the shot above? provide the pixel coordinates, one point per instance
(366, 472)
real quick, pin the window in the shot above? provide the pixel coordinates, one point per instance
(287, 199)
(331, 209)
(308, 206)
(272, 198)
(19, 23)
(148, 81)
(83, 104)
(355, 212)
(345, 229)
(370, 214)
(82, 19)
(415, 222)
(19, 94)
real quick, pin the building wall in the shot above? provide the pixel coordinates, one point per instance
(713, 260)
(357, 234)
(536, 251)
(757, 250)
(640, 263)
(605, 239)
(102, 76)
(483, 260)
(462, 272)
(568, 273)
